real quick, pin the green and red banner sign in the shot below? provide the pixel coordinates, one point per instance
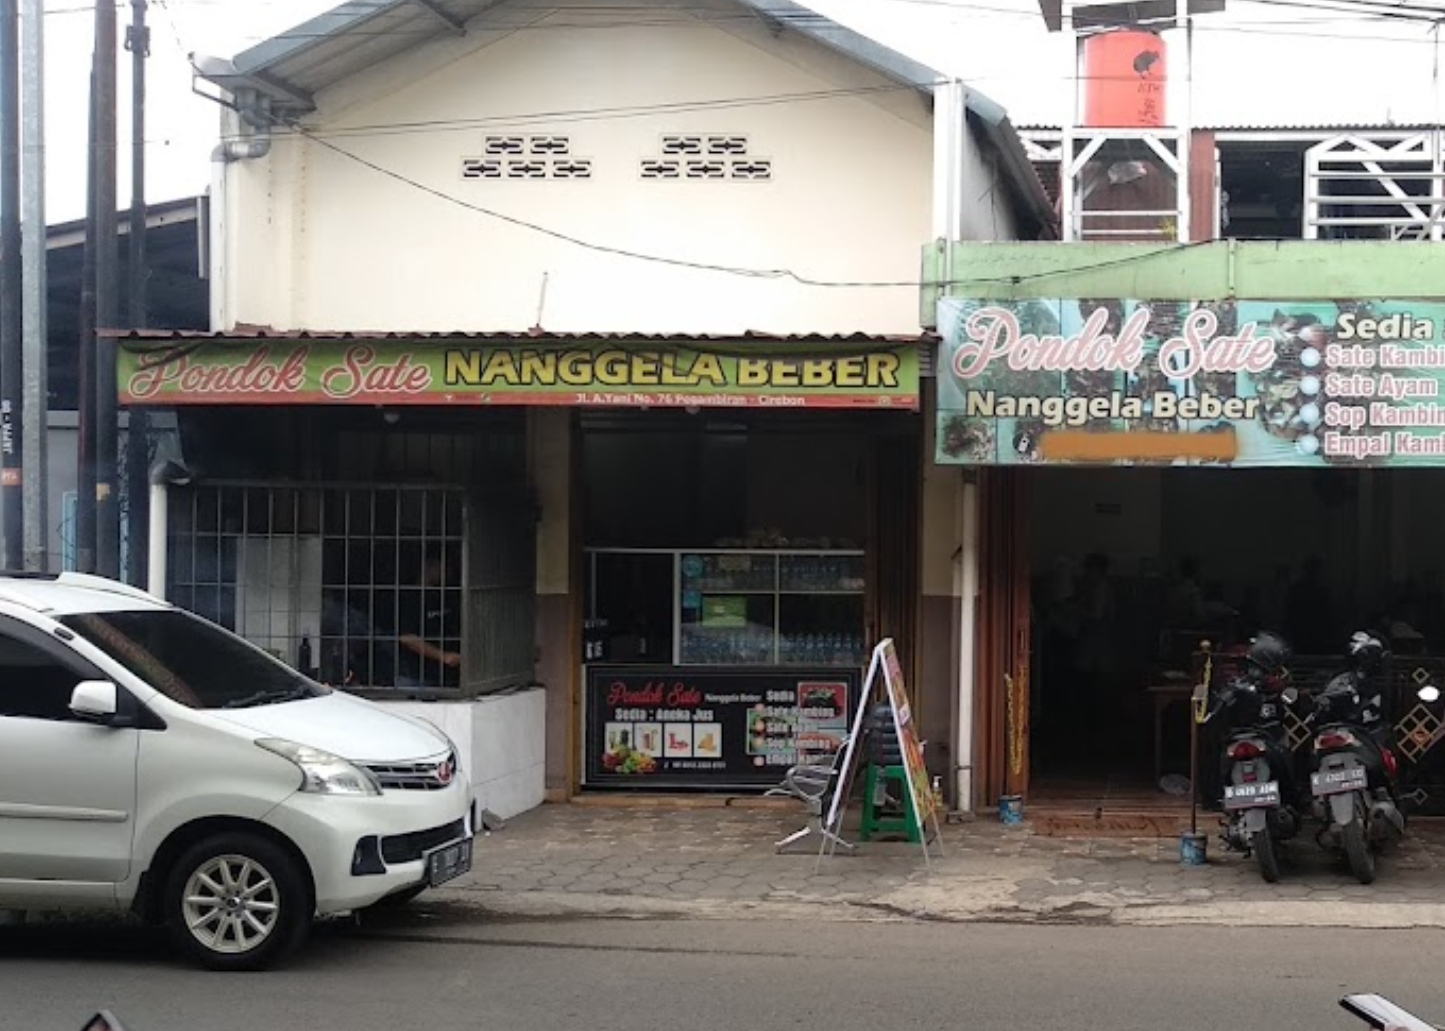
(1246, 383)
(401, 372)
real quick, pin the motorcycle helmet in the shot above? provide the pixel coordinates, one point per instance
(1269, 654)
(1367, 652)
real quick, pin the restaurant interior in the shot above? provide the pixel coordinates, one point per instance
(1134, 568)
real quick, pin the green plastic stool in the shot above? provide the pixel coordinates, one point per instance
(873, 824)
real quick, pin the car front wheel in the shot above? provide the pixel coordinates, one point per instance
(237, 901)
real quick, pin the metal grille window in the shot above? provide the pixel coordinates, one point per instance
(359, 586)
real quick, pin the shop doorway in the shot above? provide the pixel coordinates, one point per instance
(754, 556)
(1129, 570)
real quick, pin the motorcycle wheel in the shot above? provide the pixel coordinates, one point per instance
(1357, 850)
(1263, 845)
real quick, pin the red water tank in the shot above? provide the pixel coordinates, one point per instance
(1124, 78)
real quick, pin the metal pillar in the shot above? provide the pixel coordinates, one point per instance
(11, 326)
(85, 343)
(107, 296)
(35, 321)
(137, 449)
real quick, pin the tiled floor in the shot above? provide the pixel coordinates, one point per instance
(719, 855)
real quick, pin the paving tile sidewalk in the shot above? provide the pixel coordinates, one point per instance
(720, 862)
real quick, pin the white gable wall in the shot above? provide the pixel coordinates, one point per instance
(311, 239)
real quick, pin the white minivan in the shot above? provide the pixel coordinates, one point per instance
(152, 761)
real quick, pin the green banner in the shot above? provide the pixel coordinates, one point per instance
(1247, 383)
(402, 372)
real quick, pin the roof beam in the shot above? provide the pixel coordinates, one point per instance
(279, 88)
(454, 24)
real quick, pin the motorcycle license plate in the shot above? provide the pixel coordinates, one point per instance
(1251, 796)
(1337, 782)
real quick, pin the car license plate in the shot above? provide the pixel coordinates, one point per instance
(1251, 796)
(1337, 782)
(448, 862)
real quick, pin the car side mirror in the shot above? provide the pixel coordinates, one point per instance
(1290, 696)
(95, 701)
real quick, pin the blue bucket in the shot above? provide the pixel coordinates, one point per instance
(1011, 810)
(1193, 849)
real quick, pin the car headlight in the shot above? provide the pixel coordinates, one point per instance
(321, 772)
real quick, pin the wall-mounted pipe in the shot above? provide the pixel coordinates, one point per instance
(165, 474)
(257, 124)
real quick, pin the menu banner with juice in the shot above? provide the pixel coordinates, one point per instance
(884, 682)
(908, 740)
(651, 727)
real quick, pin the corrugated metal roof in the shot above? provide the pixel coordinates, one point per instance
(1327, 128)
(294, 65)
(149, 339)
(249, 334)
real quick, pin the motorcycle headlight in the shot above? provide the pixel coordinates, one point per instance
(321, 772)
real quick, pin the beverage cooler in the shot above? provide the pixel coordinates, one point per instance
(723, 666)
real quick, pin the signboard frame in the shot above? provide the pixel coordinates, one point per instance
(1226, 383)
(465, 371)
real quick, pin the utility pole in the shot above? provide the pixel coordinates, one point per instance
(34, 315)
(85, 437)
(107, 296)
(11, 326)
(137, 448)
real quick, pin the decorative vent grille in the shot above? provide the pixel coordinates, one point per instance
(521, 158)
(654, 169)
(526, 169)
(727, 144)
(751, 168)
(682, 144)
(703, 156)
(707, 169)
(572, 168)
(481, 168)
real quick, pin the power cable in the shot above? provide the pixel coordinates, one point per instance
(648, 16)
(703, 266)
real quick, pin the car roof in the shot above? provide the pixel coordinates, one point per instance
(69, 594)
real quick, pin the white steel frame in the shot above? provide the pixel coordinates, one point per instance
(1170, 144)
(1389, 160)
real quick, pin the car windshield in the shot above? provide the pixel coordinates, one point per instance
(192, 661)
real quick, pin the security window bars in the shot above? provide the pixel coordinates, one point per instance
(358, 586)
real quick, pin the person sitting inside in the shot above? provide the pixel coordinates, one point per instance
(429, 629)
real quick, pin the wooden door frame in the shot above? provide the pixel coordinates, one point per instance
(1002, 634)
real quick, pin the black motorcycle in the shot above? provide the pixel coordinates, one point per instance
(1261, 790)
(1355, 772)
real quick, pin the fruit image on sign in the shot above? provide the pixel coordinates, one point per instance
(621, 755)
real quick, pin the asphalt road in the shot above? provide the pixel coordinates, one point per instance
(432, 973)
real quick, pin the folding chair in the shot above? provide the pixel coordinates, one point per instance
(811, 783)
